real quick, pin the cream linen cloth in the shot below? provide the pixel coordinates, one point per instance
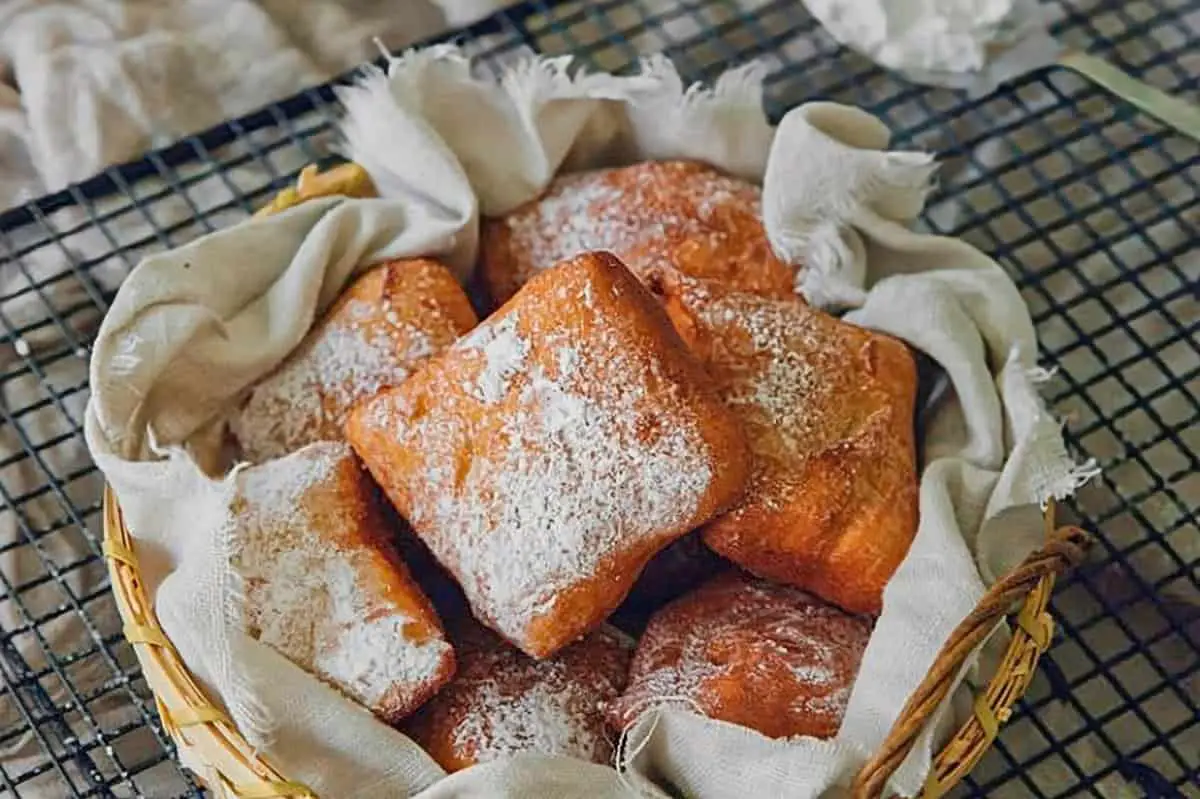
(103, 81)
(192, 328)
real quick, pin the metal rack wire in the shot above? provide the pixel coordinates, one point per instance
(1093, 209)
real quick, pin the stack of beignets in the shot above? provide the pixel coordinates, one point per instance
(650, 412)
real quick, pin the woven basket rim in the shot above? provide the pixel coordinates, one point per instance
(212, 747)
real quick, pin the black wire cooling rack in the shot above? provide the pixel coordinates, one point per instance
(1092, 208)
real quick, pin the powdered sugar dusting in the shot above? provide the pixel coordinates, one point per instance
(309, 396)
(273, 493)
(575, 216)
(584, 449)
(305, 592)
(504, 352)
(791, 354)
(371, 656)
(540, 719)
(548, 516)
(503, 703)
(804, 384)
(678, 214)
(750, 652)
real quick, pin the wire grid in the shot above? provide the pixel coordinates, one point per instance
(1093, 209)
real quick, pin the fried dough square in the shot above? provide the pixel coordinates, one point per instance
(548, 455)
(502, 702)
(326, 589)
(385, 324)
(753, 653)
(828, 409)
(682, 214)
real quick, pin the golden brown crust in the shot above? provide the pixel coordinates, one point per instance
(828, 408)
(549, 455)
(326, 587)
(384, 325)
(742, 650)
(502, 703)
(677, 213)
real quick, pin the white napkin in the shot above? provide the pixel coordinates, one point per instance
(193, 327)
(974, 45)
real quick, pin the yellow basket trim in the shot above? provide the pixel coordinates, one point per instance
(165, 715)
(193, 716)
(271, 790)
(304, 179)
(345, 180)
(933, 785)
(145, 634)
(115, 550)
(990, 720)
(1039, 627)
(283, 200)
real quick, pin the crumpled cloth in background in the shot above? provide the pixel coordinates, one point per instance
(89, 83)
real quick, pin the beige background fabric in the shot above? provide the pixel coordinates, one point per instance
(140, 75)
(1131, 259)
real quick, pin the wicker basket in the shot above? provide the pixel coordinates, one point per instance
(211, 745)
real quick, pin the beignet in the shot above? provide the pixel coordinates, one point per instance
(548, 455)
(502, 702)
(324, 586)
(749, 652)
(828, 408)
(683, 214)
(383, 325)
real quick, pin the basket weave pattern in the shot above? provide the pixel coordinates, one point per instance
(210, 744)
